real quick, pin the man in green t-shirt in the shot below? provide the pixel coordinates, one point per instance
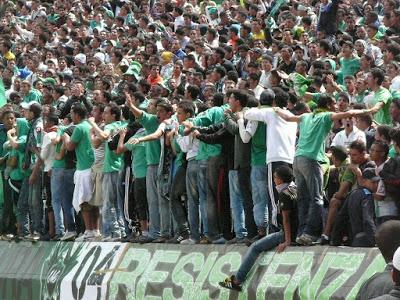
(159, 206)
(310, 155)
(30, 94)
(8, 218)
(80, 142)
(30, 204)
(113, 220)
(380, 98)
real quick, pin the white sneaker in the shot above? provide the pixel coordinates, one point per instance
(96, 233)
(69, 235)
(189, 242)
(82, 238)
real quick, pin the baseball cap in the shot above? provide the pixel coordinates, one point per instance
(81, 58)
(134, 69)
(100, 56)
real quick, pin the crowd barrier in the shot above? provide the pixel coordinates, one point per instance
(67, 270)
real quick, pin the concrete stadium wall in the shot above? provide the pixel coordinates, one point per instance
(48, 270)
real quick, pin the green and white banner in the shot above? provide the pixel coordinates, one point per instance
(131, 271)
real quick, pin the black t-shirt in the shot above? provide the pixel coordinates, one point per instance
(288, 202)
(70, 156)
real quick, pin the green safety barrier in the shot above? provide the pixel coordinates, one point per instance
(49, 270)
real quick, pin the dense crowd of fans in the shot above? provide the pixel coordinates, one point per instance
(264, 123)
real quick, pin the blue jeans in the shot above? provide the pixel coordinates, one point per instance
(237, 206)
(152, 198)
(193, 198)
(164, 207)
(309, 181)
(113, 224)
(57, 198)
(259, 191)
(266, 243)
(202, 187)
(30, 204)
(69, 212)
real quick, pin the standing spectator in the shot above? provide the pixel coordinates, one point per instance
(80, 142)
(113, 224)
(310, 153)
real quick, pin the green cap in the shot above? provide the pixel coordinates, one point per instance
(48, 80)
(110, 14)
(134, 69)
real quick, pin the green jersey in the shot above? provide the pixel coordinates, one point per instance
(153, 148)
(314, 128)
(139, 164)
(33, 95)
(59, 163)
(112, 162)
(84, 151)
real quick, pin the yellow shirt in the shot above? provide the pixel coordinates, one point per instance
(259, 36)
(9, 55)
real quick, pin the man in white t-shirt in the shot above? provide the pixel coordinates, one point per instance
(350, 134)
(281, 138)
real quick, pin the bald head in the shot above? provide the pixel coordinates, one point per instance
(388, 239)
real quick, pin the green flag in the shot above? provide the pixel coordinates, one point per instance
(299, 83)
(3, 99)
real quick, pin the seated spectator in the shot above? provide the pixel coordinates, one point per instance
(283, 178)
(356, 217)
(350, 134)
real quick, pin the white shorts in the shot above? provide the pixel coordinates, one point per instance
(83, 191)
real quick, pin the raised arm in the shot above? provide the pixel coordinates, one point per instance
(351, 113)
(97, 130)
(121, 145)
(129, 103)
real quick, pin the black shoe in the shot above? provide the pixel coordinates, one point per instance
(323, 240)
(242, 240)
(229, 283)
(57, 237)
(44, 237)
(161, 239)
(144, 239)
(204, 240)
(178, 238)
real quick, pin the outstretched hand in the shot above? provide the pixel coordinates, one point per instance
(134, 141)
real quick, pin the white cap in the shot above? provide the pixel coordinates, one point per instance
(27, 105)
(100, 56)
(396, 259)
(81, 58)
